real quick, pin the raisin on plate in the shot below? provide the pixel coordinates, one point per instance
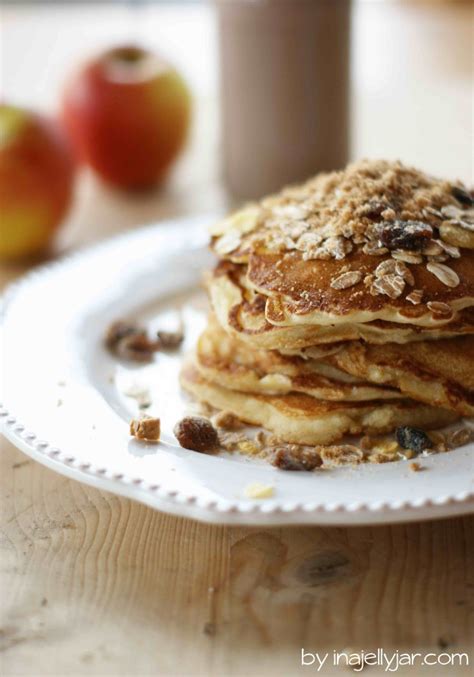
(413, 438)
(196, 433)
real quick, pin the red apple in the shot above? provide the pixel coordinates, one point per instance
(36, 180)
(127, 113)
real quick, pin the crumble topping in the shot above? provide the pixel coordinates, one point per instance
(382, 207)
(406, 444)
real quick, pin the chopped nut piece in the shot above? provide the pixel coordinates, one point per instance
(259, 490)
(145, 428)
(347, 280)
(227, 420)
(196, 433)
(445, 274)
(295, 457)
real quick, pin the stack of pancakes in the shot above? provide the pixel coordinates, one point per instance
(343, 306)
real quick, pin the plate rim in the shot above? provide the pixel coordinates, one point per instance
(179, 502)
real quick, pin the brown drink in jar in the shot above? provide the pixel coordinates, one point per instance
(284, 73)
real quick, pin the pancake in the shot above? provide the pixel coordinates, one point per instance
(440, 373)
(301, 293)
(228, 362)
(241, 312)
(372, 242)
(301, 419)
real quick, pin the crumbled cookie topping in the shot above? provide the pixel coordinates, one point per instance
(407, 443)
(381, 207)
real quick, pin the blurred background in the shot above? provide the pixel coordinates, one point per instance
(409, 96)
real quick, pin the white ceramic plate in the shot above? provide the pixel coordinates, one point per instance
(65, 402)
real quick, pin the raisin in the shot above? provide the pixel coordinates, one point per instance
(136, 347)
(412, 235)
(288, 458)
(463, 196)
(169, 340)
(119, 330)
(129, 342)
(413, 438)
(196, 433)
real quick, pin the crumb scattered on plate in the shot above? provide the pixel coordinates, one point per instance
(259, 490)
(146, 428)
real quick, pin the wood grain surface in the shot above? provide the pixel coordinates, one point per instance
(94, 584)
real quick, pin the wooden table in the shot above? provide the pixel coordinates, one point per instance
(94, 584)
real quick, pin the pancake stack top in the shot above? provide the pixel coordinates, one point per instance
(343, 305)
